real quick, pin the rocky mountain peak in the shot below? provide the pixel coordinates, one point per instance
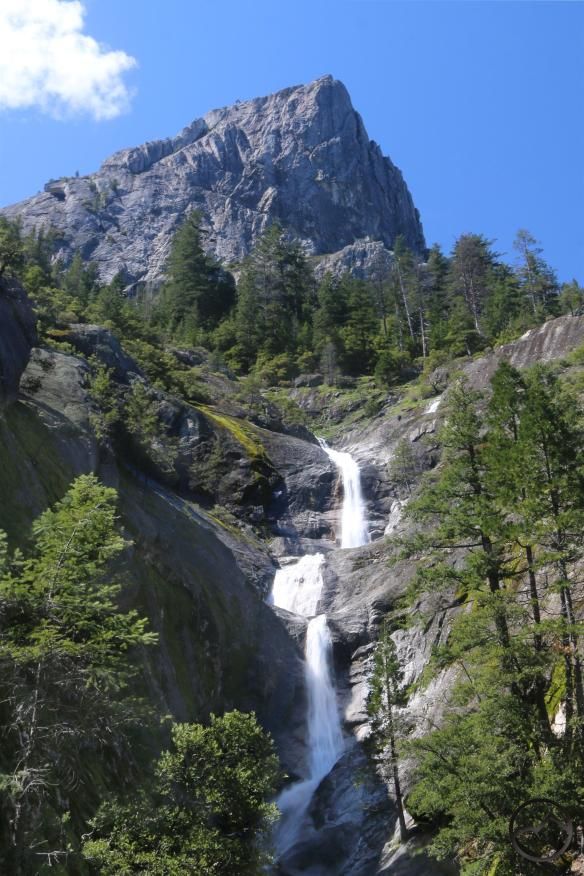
(300, 157)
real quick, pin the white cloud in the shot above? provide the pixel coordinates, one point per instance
(46, 61)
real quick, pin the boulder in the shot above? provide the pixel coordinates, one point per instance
(94, 340)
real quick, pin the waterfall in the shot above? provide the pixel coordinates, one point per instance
(324, 726)
(297, 588)
(354, 530)
(324, 736)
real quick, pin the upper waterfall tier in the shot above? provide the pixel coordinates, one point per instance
(354, 531)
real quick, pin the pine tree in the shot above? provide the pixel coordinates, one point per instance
(503, 307)
(508, 458)
(470, 274)
(359, 332)
(331, 312)
(551, 439)
(11, 248)
(438, 301)
(385, 699)
(404, 282)
(274, 298)
(457, 502)
(536, 279)
(404, 465)
(198, 292)
(514, 477)
(80, 280)
(571, 298)
(65, 671)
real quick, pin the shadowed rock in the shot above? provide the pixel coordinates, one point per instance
(17, 336)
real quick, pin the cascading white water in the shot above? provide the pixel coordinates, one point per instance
(354, 530)
(324, 736)
(297, 588)
(324, 726)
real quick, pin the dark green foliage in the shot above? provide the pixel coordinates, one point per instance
(147, 433)
(206, 811)
(387, 724)
(65, 671)
(279, 323)
(503, 531)
(404, 466)
(571, 298)
(198, 292)
(470, 274)
(80, 280)
(537, 281)
(360, 329)
(11, 248)
(275, 294)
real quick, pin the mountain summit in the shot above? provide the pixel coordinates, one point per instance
(300, 157)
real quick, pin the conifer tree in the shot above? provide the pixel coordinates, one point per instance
(458, 504)
(551, 439)
(65, 670)
(360, 329)
(494, 747)
(438, 301)
(404, 280)
(536, 279)
(207, 809)
(198, 292)
(385, 699)
(571, 298)
(508, 459)
(11, 249)
(470, 274)
(80, 280)
(274, 298)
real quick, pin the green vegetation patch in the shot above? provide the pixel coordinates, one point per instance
(242, 432)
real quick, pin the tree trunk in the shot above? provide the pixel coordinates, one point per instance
(399, 800)
(403, 831)
(423, 334)
(405, 301)
(540, 684)
(567, 646)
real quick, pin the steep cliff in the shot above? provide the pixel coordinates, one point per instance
(17, 335)
(301, 157)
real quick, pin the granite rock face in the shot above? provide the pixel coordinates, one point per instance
(363, 258)
(301, 157)
(17, 336)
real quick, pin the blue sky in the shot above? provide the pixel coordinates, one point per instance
(479, 103)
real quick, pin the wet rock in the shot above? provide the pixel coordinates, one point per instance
(301, 500)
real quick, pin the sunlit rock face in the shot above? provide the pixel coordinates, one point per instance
(300, 157)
